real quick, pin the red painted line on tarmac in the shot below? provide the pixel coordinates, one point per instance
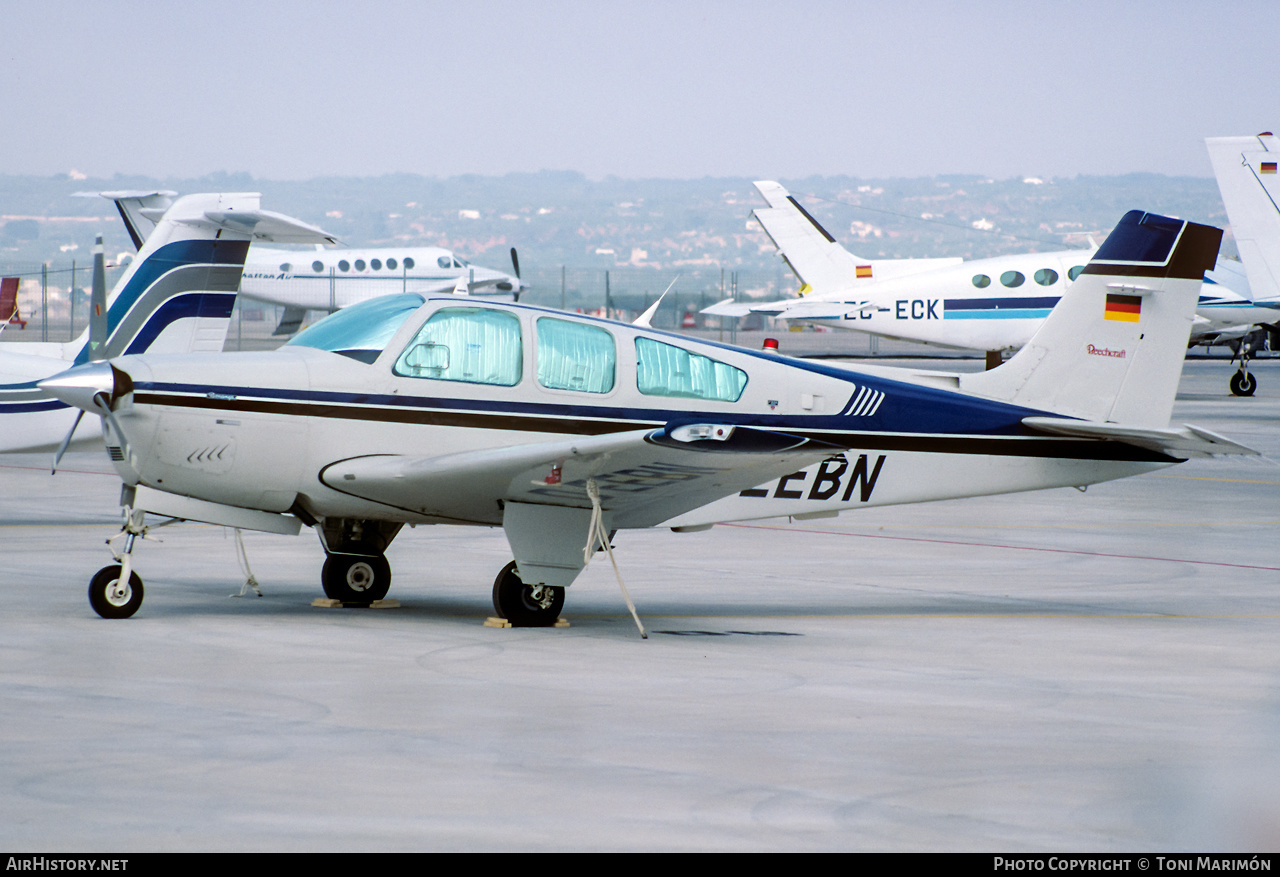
(1010, 547)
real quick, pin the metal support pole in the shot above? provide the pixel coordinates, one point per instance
(44, 302)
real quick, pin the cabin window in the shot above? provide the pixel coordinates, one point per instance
(359, 264)
(317, 266)
(344, 265)
(474, 345)
(1075, 272)
(981, 281)
(408, 262)
(575, 356)
(286, 267)
(1012, 279)
(391, 264)
(1046, 277)
(667, 370)
(363, 330)
(375, 264)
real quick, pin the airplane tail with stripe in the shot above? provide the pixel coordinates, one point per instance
(1112, 350)
(177, 294)
(823, 266)
(1249, 180)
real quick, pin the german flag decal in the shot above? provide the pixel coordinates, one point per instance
(865, 270)
(1268, 167)
(1125, 308)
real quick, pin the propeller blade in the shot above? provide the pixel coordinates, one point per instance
(515, 262)
(98, 305)
(66, 442)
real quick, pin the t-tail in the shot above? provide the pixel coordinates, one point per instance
(1249, 180)
(1112, 350)
(177, 294)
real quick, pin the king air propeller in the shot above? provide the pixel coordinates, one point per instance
(515, 265)
(97, 337)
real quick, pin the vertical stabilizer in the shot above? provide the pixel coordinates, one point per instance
(1112, 349)
(1248, 178)
(808, 248)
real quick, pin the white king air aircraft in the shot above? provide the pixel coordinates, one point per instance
(175, 297)
(562, 428)
(994, 304)
(328, 280)
(1250, 187)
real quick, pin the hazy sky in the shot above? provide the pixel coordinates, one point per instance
(685, 89)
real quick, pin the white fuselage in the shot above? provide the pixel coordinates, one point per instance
(338, 278)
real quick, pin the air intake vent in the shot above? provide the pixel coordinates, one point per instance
(117, 455)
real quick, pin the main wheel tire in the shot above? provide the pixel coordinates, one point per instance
(525, 605)
(110, 600)
(354, 578)
(1243, 384)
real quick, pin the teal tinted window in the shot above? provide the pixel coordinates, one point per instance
(667, 370)
(1012, 278)
(981, 281)
(575, 356)
(1046, 277)
(1075, 272)
(362, 330)
(475, 345)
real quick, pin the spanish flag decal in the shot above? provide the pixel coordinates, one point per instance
(1124, 308)
(863, 271)
(1268, 167)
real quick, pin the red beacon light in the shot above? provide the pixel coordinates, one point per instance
(770, 344)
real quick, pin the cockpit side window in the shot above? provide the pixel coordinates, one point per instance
(474, 345)
(575, 356)
(444, 262)
(667, 370)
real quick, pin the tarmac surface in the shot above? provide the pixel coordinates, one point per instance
(1049, 671)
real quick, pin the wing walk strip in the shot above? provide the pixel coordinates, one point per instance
(576, 424)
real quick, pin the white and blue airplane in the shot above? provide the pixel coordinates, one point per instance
(332, 279)
(562, 428)
(1245, 168)
(175, 297)
(994, 305)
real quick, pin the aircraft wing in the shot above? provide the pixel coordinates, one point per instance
(1183, 440)
(644, 476)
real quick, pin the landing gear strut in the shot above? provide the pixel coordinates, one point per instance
(115, 591)
(525, 605)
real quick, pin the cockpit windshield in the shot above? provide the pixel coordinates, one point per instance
(362, 330)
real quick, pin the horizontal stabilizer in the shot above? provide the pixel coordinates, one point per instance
(265, 225)
(1183, 440)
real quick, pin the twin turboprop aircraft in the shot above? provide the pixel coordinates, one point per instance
(562, 428)
(328, 280)
(175, 297)
(994, 305)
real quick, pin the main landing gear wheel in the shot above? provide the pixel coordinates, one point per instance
(109, 598)
(525, 605)
(1243, 384)
(353, 578)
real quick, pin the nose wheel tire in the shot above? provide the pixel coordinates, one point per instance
(1243, 384)
(354, 578)
(525, 605)
(112, 599)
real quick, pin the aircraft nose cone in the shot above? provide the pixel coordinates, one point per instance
(80, 386)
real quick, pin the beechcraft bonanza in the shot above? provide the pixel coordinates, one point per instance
(328, 280)
(1247, 178)
(994, 305)
(175, 297)
(563, 428)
